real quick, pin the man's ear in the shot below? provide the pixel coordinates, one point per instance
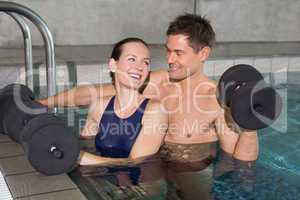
(112, 65)
(204, 53)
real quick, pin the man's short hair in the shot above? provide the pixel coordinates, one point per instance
(198, 29)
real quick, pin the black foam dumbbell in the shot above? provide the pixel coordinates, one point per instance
(253, 103)
(50, 145)
(12, 93)
(18, 107)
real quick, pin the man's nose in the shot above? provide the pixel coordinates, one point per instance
(171, 58)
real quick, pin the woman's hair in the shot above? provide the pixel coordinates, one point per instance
(117, 51)
(118, 47)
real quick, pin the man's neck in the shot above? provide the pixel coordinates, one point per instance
(192, 79)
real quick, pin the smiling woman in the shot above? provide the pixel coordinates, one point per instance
(128, 127)
(130, 58)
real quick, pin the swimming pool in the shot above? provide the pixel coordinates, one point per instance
(275, 175)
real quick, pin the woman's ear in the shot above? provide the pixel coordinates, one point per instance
(112, 65)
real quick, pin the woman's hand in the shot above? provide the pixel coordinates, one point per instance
(87, 159)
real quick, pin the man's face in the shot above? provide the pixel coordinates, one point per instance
(182, 59)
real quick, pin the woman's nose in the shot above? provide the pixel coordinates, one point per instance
(140, 66)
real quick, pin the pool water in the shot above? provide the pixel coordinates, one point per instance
(275, 175)
(277, 171)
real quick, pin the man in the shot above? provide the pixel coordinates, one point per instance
(196, 121)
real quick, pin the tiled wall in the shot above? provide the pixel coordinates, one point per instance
(98, 73)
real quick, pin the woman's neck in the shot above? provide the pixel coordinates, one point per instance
(127, 100)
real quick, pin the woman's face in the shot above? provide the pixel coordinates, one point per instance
(132, 68)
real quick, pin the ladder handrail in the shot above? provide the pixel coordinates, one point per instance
(47, 37)
(27, 47)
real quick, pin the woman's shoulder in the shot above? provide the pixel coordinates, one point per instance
(100, 104)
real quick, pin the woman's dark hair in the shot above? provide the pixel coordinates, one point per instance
(118, 47)
(117, 51)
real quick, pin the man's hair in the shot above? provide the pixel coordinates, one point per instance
(198, 30)
(117, 51)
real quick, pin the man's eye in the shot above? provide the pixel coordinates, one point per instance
(147, 63)
(131, 59)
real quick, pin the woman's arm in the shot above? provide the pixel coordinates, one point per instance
(91, 124)
(94, 160)
(79, 96)
(84, 95)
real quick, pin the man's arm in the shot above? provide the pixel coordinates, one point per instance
(154, 128)
(147, 143)
(153, 89)
(241, 144)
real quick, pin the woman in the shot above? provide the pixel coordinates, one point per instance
(128, 127)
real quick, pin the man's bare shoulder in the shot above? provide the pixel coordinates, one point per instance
(207, 90)
(159, 76)
(153, 104)
(155, 109)
(207, 86)
(154, 88)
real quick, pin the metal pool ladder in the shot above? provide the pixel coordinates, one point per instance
(17, 12)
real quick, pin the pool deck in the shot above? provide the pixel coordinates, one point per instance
(25, 183)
